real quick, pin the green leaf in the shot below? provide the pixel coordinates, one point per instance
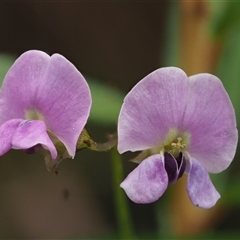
(107, 103)
(6, 62)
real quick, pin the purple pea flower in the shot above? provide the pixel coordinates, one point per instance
(182, 125)
(44, 105)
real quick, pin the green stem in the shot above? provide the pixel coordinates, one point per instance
(85, 141)
(163, 217)
(122, 210)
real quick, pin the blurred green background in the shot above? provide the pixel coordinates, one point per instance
(114, 45)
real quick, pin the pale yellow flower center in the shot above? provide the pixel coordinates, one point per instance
(33, 115)
(175, 142)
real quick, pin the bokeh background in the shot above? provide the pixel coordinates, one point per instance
(115, 44)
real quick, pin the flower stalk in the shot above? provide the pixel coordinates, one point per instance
(124, 220)
(85, 141)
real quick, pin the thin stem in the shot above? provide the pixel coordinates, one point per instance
(162, 209)
(122, 210)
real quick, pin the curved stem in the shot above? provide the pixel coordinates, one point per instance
(85, 141)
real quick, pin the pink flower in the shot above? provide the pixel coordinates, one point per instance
(182, 125)
(44, 104)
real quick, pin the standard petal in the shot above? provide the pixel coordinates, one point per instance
(148, 181)
(210, 120)
(7, 131)
(64, 100)
(31, 133)
(201, 191)
(21, 83)
(154, 106)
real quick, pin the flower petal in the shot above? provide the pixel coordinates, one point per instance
(171, 167)
(210, 119)
(7, 131)
(64, 100)
(201, 191)
(148, 181)
(154, 106)
(174, 167)
(21, 84)
(31, 133)
(50, 87)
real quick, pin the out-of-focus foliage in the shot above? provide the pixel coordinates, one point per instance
(225, 17)
(106, 104)
(5, 63)
(215, 236)
(208, 235)
(171, 52)
(228, 69)
(225, 27)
